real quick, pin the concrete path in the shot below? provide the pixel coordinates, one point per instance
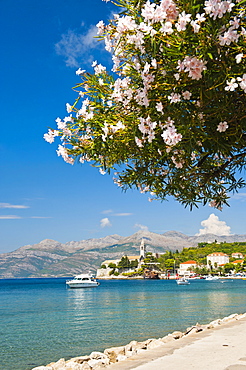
(222, 348)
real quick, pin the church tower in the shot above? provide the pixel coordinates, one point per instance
(142, 250)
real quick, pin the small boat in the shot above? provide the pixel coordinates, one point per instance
(211, 278)
(83, 281)
(183, 281)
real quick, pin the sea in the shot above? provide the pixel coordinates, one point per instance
(42, 320)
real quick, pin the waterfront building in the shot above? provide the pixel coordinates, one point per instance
(218, 258)
(237, 255)
(185, 267)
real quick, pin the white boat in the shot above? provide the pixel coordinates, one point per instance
(183, 281)
(211, 278)
(83, 281)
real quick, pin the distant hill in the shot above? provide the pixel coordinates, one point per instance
(51, 258)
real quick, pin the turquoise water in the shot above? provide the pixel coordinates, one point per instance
(43, 321)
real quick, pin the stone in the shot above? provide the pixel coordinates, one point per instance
(130, 353)
(130, 346)
(96, 364)
(113, 352)
(81, 359)
(71, 365)
(86, 366)
(59, 365)
(121, 358)
(167, 338)
(42, 368)
(99, 356)
(177, 334)
(155, 343)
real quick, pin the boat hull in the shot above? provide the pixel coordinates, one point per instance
(82, 285)
(183, 282)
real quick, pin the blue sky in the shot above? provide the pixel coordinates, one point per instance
(42, 45)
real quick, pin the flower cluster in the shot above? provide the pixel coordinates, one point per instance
(177, 103)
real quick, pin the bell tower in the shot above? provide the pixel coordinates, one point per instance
(142, 249)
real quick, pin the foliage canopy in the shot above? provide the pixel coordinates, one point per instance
(169, 119)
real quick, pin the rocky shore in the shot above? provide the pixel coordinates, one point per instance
(111, 357)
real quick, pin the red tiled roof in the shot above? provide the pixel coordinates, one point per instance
(188, 263)
(238, 261)
(217, 254)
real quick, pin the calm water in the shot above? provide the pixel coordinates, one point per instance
(42, 320)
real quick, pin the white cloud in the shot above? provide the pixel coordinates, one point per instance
(74, 45)
(107, 211)
(141, 227)
(9, 217)
(7, 205)
(40, 217)
(105, 222)
(214, 226)
(239, 196)
(122, 214)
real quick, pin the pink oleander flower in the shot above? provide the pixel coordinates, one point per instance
(80, 71)
(242, 81)
(159, 107)
(174, 98)
(193, 66)
(60, 124)
(170, 136)
(238, 58)
(100, 28)
(179, 163)
(62, 151)
(231, 85)
(69, 108)
(139, 142)
(230, 36)
(186, 95)
(99, 69)
(217, 8)
(215, 204)
(182, 21)
(222, 126)
(50, 136)
(167, 28)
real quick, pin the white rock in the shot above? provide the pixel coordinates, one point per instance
(130, 353)
(113, 352)
(155, 343)
(130, 346)
(177, 334)
(80, 359)
(72, 365)
(99, 356)
(86, 366)
(121, 358)
(167, 338)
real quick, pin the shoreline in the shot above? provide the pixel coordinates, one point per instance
(218, 345)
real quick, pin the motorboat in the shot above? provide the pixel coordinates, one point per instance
(83, 281)
(211, 278)
(182, 281)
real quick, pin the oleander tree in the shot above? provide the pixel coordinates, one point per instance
(169, 118)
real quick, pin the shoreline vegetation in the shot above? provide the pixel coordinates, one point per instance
(115, 357)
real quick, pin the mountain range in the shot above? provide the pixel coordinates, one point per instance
(50, 258)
